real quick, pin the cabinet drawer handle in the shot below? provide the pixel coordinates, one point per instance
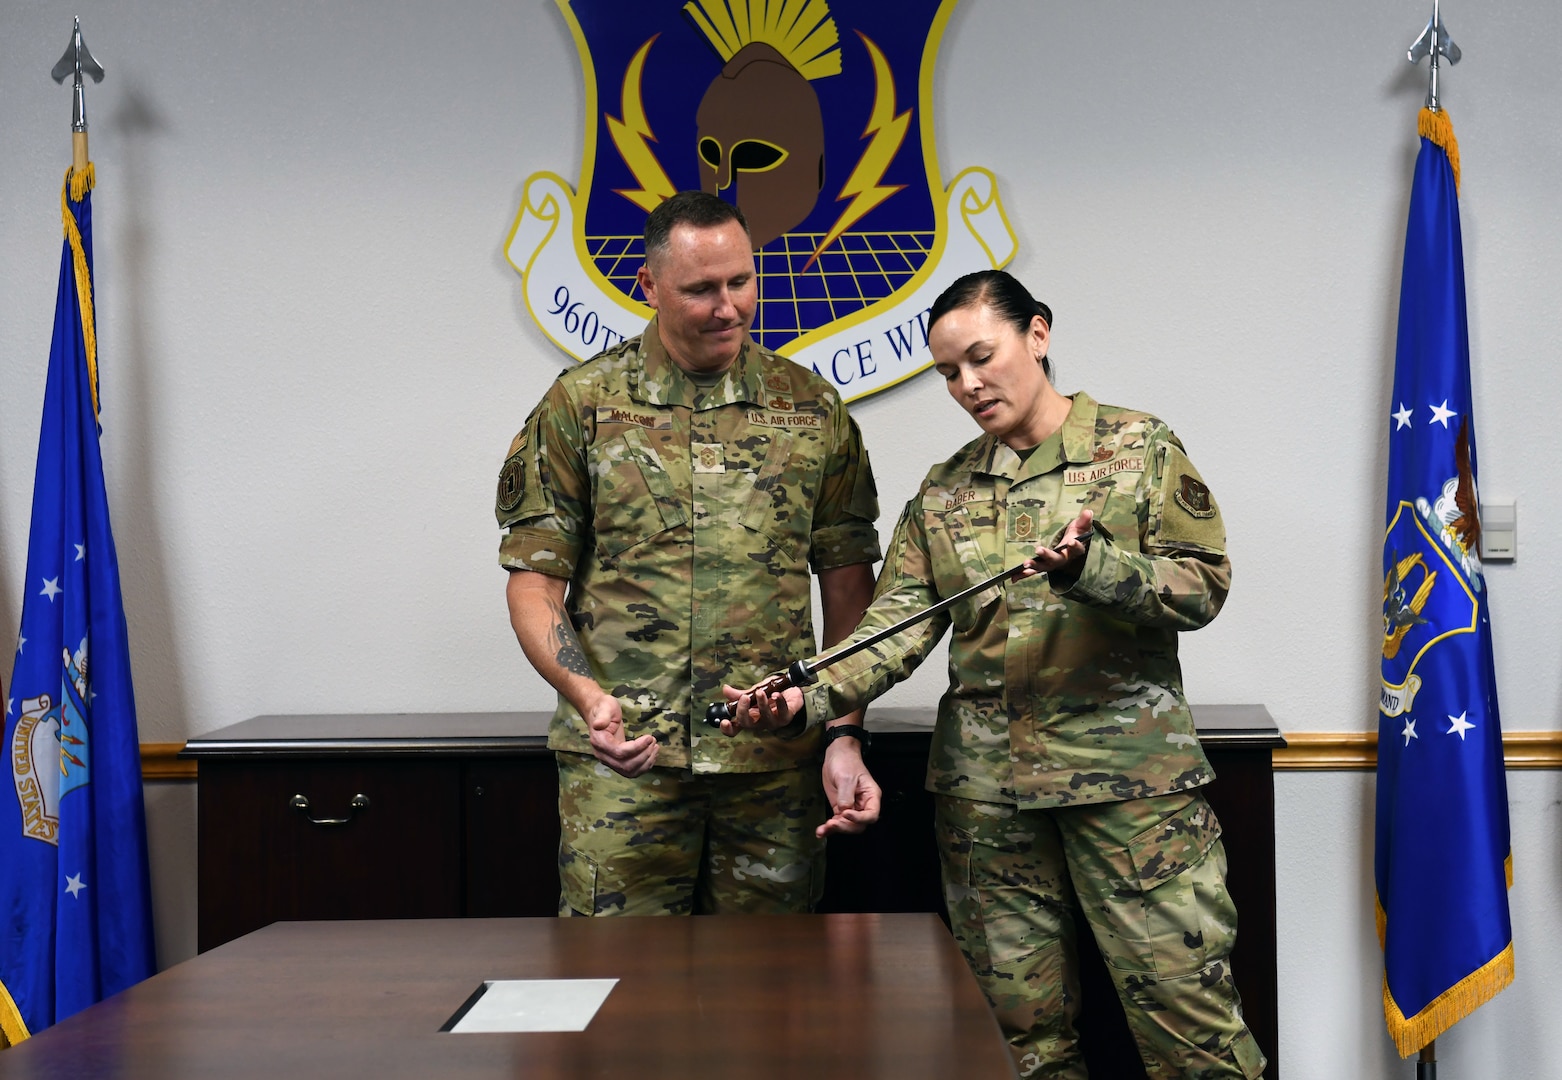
(301, 804)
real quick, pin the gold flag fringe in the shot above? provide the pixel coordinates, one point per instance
(74, 190)
(13, 1029)
(1448, 1008)
(1437, 127)
(1453, 1004)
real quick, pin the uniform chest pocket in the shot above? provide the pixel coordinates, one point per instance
(633, 496)
(962, 543)
(773, 508)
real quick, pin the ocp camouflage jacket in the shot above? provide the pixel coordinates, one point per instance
(686, 518)
(1057, 694)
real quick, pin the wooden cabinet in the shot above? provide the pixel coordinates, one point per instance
(458, 816)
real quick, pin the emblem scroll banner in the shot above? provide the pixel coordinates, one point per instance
(815, 118)
(580, 316)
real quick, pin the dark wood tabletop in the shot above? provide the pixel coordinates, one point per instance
(814, 996)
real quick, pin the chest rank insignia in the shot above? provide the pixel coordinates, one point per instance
(708, 458)
(1193, 496)
(1022, 526)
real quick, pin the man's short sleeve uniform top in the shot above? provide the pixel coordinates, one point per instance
(686, 518)
(1059, 694)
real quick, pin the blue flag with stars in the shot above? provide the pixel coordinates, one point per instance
(75, 902)
(1443, 865)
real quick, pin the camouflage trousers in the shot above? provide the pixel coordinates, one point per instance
(1150, 877)
(671, 842)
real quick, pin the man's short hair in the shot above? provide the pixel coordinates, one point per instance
(697, 208)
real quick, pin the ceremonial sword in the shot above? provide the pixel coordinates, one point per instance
(804, 673)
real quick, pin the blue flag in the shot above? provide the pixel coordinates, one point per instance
(75, 902)
(1443, 864)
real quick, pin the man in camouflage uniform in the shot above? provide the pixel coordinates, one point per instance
(1064, 762)
(662, 507)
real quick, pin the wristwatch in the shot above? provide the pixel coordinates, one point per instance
(847, 731)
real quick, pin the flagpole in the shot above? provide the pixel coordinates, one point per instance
(1433, 43)
(78, 61)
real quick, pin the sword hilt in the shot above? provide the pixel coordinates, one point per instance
(798, 673)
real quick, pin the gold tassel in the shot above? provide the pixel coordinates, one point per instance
(75, 189)
(82, 182)
(1440, 129)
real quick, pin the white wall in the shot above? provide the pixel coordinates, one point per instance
(314, 355)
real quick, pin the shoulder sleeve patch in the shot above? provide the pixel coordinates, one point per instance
(521, 493)
(1190, 516)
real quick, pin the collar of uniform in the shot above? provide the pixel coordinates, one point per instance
(663, 382)
(1079, 444)
(1079, 429)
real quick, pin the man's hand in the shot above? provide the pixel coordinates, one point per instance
(854, 795)
(605, 719)
(761, 707)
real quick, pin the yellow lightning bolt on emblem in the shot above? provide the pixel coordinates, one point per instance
(630, 136)
(888, 131)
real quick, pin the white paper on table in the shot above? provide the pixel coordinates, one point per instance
(533, 1005)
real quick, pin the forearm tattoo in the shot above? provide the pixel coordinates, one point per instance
(569, 654)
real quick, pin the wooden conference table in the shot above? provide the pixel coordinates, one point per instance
(815, 996)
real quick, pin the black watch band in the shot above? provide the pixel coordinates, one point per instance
(847, 731)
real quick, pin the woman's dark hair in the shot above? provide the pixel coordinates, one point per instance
(1008, 299)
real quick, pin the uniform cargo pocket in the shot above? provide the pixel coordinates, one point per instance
(1181, 867)
(577, 882)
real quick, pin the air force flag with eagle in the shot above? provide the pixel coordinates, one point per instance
(75, 903)
(1443, 865)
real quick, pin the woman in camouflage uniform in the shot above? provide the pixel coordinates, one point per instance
(1064, 761)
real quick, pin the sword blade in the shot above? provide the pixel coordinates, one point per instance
(911, 620)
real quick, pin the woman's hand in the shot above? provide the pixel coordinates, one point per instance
(761, 707)
(1068, 554)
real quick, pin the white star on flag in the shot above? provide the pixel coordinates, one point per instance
(1442, 413)
(1410, 731)
(1402, 417)
(1460, 725)
(21, 641)
(81, 552)
(74, 885)
(10, 703)
(51, 588)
